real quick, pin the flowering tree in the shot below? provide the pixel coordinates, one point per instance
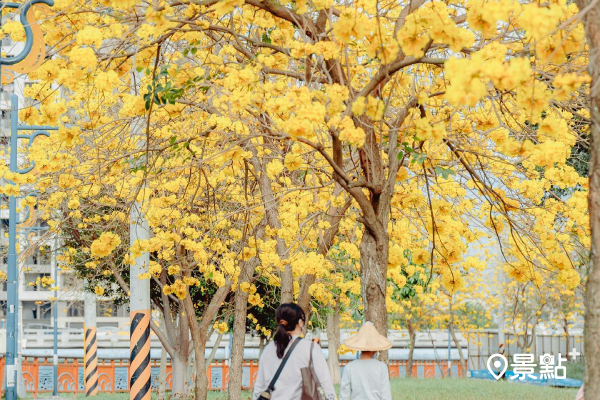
(430, 110)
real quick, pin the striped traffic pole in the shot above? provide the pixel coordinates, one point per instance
(139, 303)
(90, 360)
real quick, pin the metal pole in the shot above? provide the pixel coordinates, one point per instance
(55, 317)
(139, 361)
(12, 275)
(139, 290)
(11, 300)
(90, 361)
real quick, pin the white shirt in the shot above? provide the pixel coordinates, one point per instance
(366, 380)
(289, 384)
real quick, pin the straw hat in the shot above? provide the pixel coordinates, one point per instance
(368, 339)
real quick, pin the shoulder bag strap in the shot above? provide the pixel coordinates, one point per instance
(312, 346)
(285, 358)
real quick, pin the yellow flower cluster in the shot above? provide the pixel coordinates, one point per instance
(351, 134)
(220, 327)
(82, 57)
(179, 288)
(345, 350)
(173, 269)
(155, 268)
(14, 29)
(105, 244)
(569, 277)
(292, 161)
(452, 280)
(90, 35)
(266, 332)
(432, 22)
(248, 287)
(351, 25)
(255, 300)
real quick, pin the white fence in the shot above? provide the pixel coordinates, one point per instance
(429, 346)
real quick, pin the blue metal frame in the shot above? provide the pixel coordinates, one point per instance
(12, 275)
(28, 33)
(13, 221)
(55, 318)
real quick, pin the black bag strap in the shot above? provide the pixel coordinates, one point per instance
(285, 358)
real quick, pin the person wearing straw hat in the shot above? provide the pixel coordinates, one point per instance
(366, 378)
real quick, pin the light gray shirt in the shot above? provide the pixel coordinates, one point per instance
(289, 384)
(366, 380)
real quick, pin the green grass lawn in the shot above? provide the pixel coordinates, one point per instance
(471, 389)
(575, 369)
(432, 389)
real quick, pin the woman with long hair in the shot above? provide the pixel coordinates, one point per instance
(288, 348)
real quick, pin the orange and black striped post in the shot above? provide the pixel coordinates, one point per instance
(90, 356)
(91, 362)
(139, 362)
(139, 305)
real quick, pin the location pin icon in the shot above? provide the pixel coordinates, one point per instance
(495, 362)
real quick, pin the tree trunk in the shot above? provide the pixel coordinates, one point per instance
(304, 296)
(412, 335)
(237, 359)
(261, 346)
(533, 342)
(162, 376)
(459, 348)
(178, 373)
(201, 386)
(374, 261)
(591, 21)
(271, 207)
(179, 358)
(191, 372)
(199, 338)
(239, 339)
(334, 216)
(437, 360)
(199, 331)
(215, 348)
(455, 339)
(333, 344)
